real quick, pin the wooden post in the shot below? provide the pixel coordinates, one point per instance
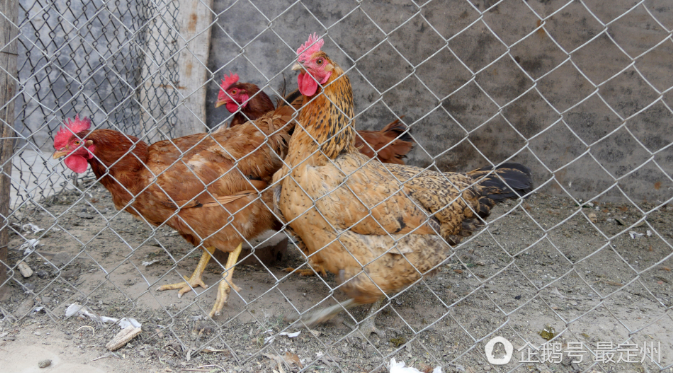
(8, 53)
(195, 25)
(193, 20)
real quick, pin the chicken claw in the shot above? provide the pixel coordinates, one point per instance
(368, 327)
(195, 280)
(225, 286)
(189, 284)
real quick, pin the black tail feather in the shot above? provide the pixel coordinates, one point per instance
(517, 181)
(399, 128)
(289, 99)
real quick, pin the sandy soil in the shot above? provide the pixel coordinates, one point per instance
(510, 279)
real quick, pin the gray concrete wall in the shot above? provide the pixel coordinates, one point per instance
(581, 116)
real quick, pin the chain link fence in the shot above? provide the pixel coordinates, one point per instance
(575, 277)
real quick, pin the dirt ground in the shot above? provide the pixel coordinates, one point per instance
(509, 280)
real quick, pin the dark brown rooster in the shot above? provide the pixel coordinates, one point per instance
(247, 102)
(379, 227)
(154, 181)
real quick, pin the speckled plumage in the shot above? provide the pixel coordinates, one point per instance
(376, 226)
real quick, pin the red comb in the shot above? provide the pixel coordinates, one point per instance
(71, 126)
(312, 45)
(229, 80)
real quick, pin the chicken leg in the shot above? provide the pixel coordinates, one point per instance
(195, 280)
(226, 284)
(367, 326)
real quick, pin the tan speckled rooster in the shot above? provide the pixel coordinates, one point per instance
(379, 227)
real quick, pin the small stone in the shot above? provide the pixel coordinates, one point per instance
(42, 274)
(85, 215)
(44, 363)
(592, 217)
(29, 286)
(24, 269)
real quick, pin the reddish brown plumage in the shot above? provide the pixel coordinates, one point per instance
(389, 145)
(231, 162)
(213, 181)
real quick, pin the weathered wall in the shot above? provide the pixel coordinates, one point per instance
(581, 106)
(579, 117)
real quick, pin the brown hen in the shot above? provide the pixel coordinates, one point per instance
(211, 181)
(378, 227)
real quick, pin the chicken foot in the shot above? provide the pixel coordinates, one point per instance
(195, 280)
(367, 326)
(226, 284)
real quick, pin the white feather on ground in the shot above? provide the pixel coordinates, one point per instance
(400, 367)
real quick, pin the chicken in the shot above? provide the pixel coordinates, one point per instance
(252, 102)
(206, 187)
(246, 100)
(379, 227)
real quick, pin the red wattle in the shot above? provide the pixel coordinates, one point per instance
(232, 106)
(76, 163)
(307, 85)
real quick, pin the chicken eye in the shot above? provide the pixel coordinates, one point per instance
(233, 91)
(319, 61)
(77, 142)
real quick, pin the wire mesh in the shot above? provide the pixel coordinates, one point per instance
(575, 277)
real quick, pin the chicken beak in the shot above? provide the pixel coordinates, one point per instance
(220, 103)
(297, 66)
(60, 153)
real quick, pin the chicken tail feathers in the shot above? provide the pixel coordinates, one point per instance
(398, 128)
(509, 180)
